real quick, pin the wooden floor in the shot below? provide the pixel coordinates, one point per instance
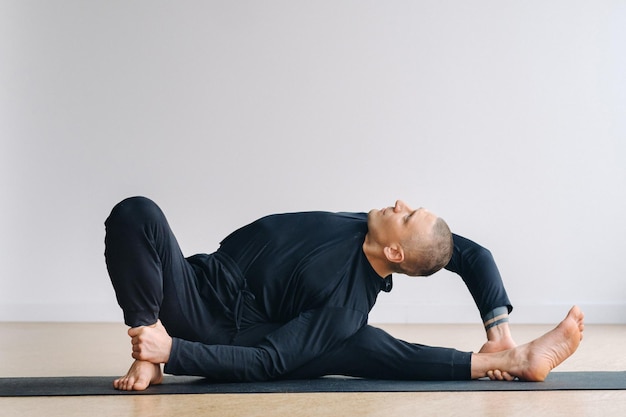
(62, 349)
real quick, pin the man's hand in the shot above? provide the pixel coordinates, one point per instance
(151, 343)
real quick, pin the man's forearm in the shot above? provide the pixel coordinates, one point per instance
(477, 268)
(220, 362)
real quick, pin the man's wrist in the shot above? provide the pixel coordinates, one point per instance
(496, 323)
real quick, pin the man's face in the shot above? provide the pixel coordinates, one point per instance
(397, 223)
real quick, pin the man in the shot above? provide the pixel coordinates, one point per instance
(288, 296)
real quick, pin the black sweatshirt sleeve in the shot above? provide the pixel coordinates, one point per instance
(477, 268)
(302, 339)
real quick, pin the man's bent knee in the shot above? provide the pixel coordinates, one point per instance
(134, 210)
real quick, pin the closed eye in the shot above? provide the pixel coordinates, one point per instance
(408, 216)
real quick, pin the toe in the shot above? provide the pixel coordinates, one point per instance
(129, 381)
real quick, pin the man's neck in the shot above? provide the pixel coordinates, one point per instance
(374, 254)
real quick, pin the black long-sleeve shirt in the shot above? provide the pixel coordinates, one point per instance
(308, 272)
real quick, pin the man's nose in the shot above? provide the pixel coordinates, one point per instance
(400, 205)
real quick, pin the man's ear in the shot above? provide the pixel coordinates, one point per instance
(394, 253)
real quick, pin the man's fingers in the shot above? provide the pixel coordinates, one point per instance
(150, 343)
(497, 375)
(507, 376)
(134, 331)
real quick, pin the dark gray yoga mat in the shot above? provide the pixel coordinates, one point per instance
(76, 386)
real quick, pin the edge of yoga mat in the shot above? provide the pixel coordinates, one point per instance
(100, 385)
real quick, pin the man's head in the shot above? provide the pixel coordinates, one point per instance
(413, 242)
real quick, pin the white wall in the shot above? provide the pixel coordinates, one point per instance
(505, 117)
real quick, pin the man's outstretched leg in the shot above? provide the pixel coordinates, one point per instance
(373, 353)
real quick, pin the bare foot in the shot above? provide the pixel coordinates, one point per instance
(140, 375)
(536, 359)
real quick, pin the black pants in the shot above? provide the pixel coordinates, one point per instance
(153, 280)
